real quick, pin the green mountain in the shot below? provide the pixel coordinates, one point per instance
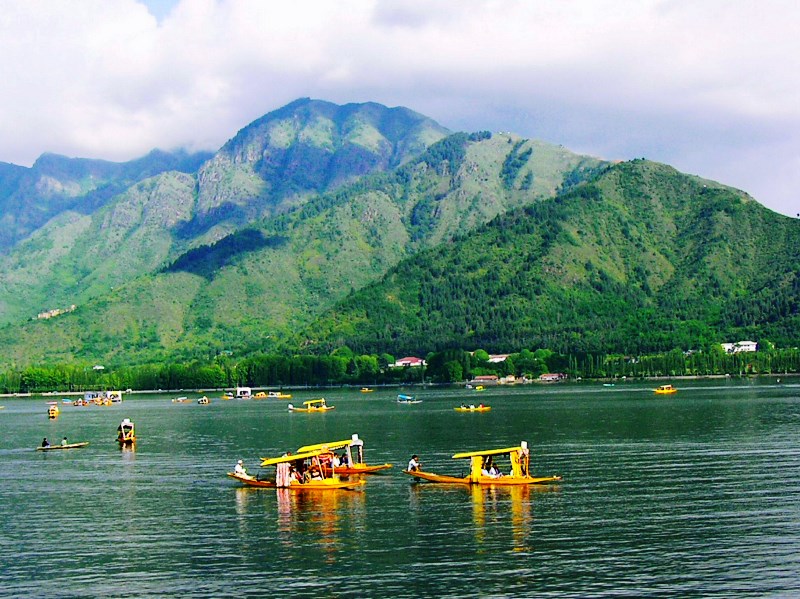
(254, 288)
(95, 226)
(641, 258)
(30, 197)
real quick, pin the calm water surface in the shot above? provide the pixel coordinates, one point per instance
(688, 495)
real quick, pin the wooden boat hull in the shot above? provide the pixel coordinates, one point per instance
(483, 409)
(504, 481)
(314, 485)
(358, 469)
(68, 446)
(325, 409)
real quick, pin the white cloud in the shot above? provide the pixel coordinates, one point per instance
(712, 87)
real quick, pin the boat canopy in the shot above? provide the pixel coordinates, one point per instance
(291, 457)
(486, 452)
(334, 445)
(313, 402)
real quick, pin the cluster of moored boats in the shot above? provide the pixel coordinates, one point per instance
(320, 467)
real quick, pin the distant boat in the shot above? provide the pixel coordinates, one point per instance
(67, 446)
(313, 405)
(402, 398)
(666, 389)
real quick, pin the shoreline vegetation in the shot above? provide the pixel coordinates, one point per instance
(344, 369)
(355, 387)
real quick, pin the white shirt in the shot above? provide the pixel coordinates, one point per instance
(413, 465)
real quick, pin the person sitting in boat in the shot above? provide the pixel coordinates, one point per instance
(472, 406)
(239, 469)
(414, 464)
(463, 406)
(336, 461)
(343, 460)
(489, 469)
(314, 473)
(45, 442)
(64, 441)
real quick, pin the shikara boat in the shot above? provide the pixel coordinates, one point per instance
(53, 411)
(67, 446)
(481, 465)
(402, 398)
(126, 434)
(279, 395)
(666, 389)
(312, 405)
(298, 472)
(473, 408)
(204, 401)
(353, 454)
(366, 390)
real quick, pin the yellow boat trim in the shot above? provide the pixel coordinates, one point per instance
(469, 454)
(314, 401)
(326, 446)
(290, 458)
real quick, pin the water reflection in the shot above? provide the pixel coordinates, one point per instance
(499, 513)
(324, 520)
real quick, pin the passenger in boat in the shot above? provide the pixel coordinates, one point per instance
(489, 469)
(414, 464)
(239, 469)
(343, 460)
(45, 442)
(64, 441)
(463, 407)
(314, 472)
(336, 461)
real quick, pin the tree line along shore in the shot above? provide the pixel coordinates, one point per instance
(343, 367)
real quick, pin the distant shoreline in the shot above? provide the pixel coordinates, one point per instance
(52, 394)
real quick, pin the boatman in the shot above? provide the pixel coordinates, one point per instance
(239, 470)
(414, 464)
(45, 442)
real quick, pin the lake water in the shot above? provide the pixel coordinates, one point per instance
(686, 495)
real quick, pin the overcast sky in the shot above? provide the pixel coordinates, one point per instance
(711, 87)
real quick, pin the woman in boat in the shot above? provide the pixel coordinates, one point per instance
(414, 464)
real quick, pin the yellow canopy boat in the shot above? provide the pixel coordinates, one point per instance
(312, 405)
(354, 457)
(366, 390)
(483, 471)
(665, 389)
(279, 395)
(298, 472)
(473, 408)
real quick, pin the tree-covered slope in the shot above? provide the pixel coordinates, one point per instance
(256, 287)
(305, 148)
(642, 258)
(84, 227)
(31, 197)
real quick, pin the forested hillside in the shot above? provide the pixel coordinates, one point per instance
(253, 289)
(78, 229)
(642, 258)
